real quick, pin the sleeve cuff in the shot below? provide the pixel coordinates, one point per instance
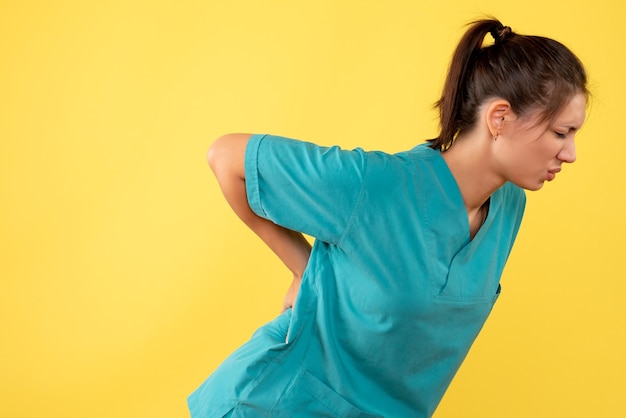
(251, 169)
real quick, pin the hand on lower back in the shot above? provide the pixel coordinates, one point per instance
(290, 298)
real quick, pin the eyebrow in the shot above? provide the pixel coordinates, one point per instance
(568, 127)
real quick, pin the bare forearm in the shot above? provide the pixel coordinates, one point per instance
(290, 246)
(226, 160)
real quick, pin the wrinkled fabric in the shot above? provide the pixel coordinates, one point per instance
(392, 298)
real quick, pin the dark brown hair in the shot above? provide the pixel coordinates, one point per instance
(530, 72)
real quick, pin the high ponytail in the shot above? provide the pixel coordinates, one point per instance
(528, 71)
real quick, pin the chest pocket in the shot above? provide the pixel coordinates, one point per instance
(309, 397)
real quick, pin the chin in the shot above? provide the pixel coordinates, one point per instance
(532, 187)
(535, 187)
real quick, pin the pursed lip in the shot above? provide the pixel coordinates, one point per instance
(552, 173)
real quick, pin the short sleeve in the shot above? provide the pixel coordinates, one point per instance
(303, 186)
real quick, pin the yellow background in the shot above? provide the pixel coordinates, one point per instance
(125, 278)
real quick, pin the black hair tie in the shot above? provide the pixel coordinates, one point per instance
(501, 34)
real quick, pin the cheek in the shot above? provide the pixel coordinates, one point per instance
(525, 168)
(549, 150)
(540, 152)
(524, 158)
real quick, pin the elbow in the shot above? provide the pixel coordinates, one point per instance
(215, 150)
(226, 154)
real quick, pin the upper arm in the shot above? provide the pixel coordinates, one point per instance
(302, 186)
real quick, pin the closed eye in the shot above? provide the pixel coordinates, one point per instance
(560, 135)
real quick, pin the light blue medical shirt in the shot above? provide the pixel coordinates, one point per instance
(394, 293)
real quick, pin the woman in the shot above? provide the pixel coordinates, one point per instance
(409, 247)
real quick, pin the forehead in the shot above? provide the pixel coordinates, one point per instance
(573, 113)
(571, 116)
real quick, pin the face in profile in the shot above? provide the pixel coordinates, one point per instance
(530, 154)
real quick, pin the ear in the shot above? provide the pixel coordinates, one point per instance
(498, 111)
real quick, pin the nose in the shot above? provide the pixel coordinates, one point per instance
(568, 152)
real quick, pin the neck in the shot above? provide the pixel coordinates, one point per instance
(469, 160)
